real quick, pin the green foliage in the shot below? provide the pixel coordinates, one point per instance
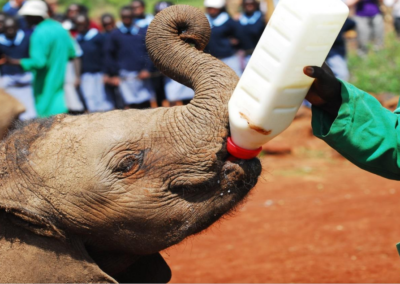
(379, 71)
(97, 7)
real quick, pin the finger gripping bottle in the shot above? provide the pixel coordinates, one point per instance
(273, 86)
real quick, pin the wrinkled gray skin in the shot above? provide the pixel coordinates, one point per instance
(92, 195)
(10, 109)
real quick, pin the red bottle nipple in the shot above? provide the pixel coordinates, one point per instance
(241, 153)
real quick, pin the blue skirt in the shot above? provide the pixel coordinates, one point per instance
(134, 90)
(94, 93)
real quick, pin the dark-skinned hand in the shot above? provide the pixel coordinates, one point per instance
(3, 60)
(325, 92)
(13, 61)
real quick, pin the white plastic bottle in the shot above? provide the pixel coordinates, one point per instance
(273, 86)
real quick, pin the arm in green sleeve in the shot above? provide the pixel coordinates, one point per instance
(38, 52)
(364, 132)
(73, 47)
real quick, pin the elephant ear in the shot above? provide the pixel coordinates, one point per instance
(10, 109)
(28, 257)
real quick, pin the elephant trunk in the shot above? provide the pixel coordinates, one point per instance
(175, 40)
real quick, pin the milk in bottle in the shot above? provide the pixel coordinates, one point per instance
(273, 86)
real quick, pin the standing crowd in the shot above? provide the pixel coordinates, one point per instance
(58, 63)
(67, 63)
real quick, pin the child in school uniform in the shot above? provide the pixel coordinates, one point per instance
(14, 43)
(336, 58)
(126, 52)
(252, 27)
(112, 90)
(140, 18)
(91, 42)
(225, 35)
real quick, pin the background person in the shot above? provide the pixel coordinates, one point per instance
(73, 10)
(336, 59)
(140, 18)
(107, 23)
(50, 49)
(112, 90)
(158, 81)
(252, 27)
(15, 81)
(225, 34)
(370, 24)
(73, 96)
(127, 55)
(91, 42)
(11, 8)
(53, 9)
(3, 17)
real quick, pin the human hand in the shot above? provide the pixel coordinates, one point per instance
(115, 81)
(325, 92)
(3, 60)
(144, 74)
(12, 61)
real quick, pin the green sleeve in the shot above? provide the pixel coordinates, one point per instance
(38, 52)
(72, 48)
(364, 132)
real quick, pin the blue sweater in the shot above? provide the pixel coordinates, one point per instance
(17, 48)
(107, 67)
(126, 50)
(251, 30)
(223, 28)
(92, 45)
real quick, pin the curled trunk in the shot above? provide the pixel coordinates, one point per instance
(175, 41)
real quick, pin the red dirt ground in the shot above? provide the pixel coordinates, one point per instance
(313, 217)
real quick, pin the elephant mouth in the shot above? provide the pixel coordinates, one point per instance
(235, 181)
(237, 178)
(228, 185)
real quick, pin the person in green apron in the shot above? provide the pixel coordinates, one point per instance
(355, 124)
(51, 47)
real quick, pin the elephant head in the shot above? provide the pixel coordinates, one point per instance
(10, 109)
(107, 191)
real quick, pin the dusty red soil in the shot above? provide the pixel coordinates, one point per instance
(313, 217)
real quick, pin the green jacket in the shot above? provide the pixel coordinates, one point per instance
(364, 132)
(51, 47)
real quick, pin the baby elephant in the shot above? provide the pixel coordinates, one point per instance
(10, 109)
(95, 198)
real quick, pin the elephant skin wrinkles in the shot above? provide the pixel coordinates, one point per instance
(95, 198)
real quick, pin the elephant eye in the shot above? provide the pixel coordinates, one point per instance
(128, 165)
